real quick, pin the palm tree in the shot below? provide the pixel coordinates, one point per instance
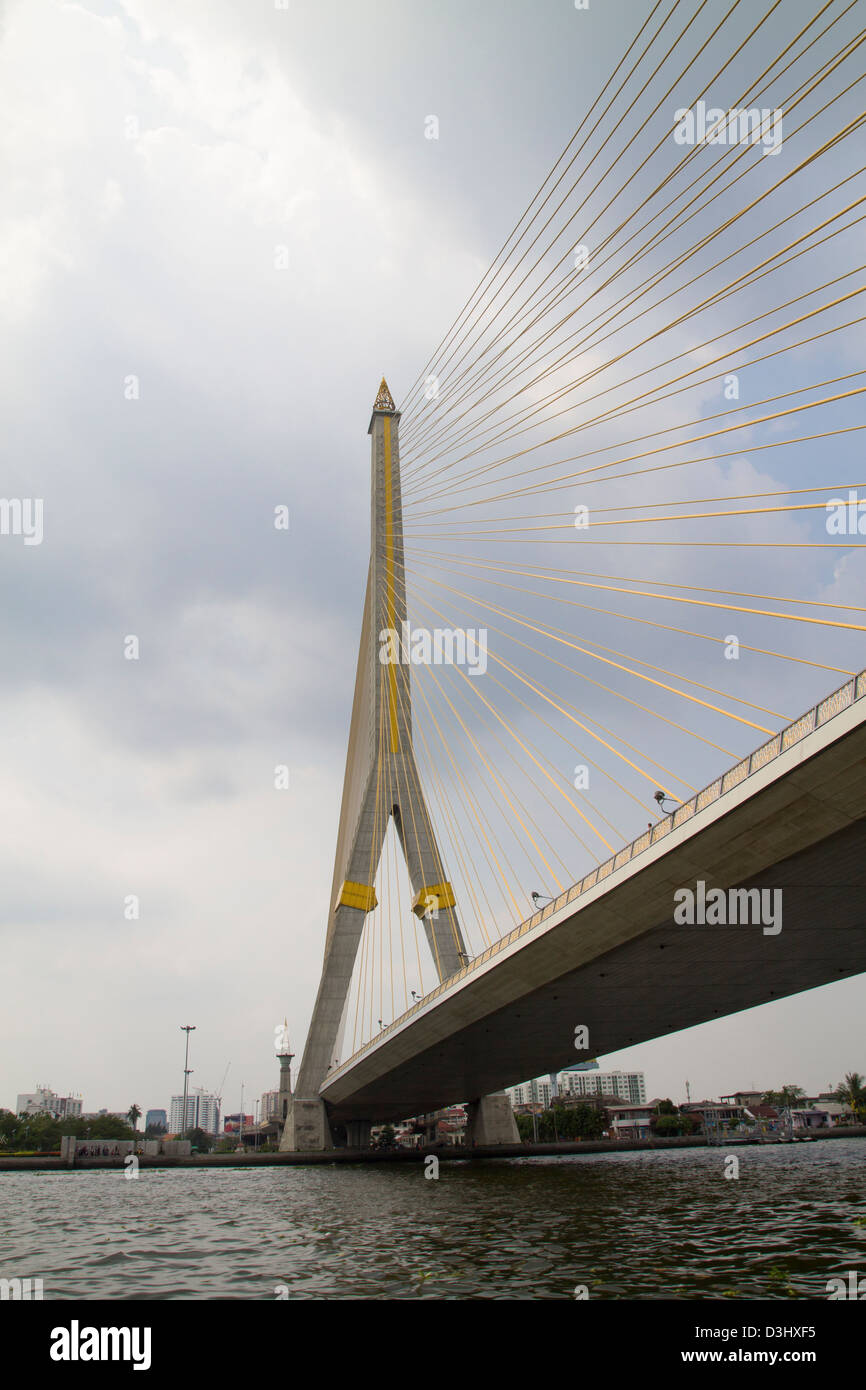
(133, 1114)
(852, 1091)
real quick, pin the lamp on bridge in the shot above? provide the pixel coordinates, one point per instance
(661, 797)
(540, 899)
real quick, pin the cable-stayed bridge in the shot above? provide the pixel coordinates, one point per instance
(618, 556)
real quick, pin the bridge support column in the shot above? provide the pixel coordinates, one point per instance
(358, 1134)
(306, 1129)
(491, 1121)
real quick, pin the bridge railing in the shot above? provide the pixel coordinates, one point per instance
(841, 699)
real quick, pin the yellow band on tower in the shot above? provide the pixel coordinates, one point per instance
(432, 899)
(357, 895)
(390, 620)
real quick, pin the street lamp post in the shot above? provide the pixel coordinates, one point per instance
(185, 1028)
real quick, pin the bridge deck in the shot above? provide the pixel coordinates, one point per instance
(607, 954)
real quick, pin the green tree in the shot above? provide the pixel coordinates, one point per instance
(671, 1122)
(200, 1141)
(667, 1125)
(792, 1094)
(133, 1114)
(785, 1098)
(588, 1122)
(8, 1127)
(101, 1127)
(524, 1127)
(35, 1134)
(568, 1122)
(42, 1133)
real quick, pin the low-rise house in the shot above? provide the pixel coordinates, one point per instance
(803, 1119)
(766, 1117)
(837, 1113)
(407, 1137)
(717, 1117)
(598, 1101)
(745, 1098)
(629, 1121)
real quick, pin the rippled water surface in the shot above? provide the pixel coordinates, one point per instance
(630, 1225)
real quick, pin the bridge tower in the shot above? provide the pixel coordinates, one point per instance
(380, 768)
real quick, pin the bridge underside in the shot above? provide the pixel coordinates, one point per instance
(518, 1019)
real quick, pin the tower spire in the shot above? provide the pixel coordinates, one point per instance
(384, 399)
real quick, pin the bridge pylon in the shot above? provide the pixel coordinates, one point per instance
(381, 783)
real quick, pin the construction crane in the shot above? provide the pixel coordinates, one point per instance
(219, 1093)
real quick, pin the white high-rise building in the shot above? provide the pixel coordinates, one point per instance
(43, 1101)
(202, 1112)
(537, 1092)
(630, 1086)
(270, 1105)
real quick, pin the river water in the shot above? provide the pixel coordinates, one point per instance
(624, 1225)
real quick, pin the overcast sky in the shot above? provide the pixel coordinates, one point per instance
(162, 162)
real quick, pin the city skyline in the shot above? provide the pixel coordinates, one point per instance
(626, 1062)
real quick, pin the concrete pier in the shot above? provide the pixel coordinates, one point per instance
(491, 1121)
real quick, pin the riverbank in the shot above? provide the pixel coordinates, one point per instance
(446, 1153)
